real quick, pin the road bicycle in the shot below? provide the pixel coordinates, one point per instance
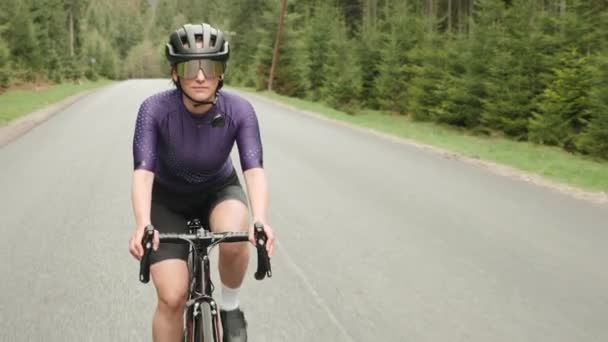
(201, 315)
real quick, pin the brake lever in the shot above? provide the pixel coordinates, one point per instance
(144, 264)
(264, 268)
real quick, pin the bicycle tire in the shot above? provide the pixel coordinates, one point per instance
(204, 325)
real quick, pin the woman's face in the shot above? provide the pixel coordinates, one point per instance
(201, 87)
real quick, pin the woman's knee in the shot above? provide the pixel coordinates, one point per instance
(229, 215)
(173, 300)
(171, 281)
(234, 250)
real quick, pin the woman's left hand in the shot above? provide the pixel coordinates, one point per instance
(269, 235)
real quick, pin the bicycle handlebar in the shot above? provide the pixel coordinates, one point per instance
(208, 239)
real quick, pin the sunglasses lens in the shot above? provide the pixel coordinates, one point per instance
(211, 68)
(187, 69)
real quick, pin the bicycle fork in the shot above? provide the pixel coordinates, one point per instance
(202, 310)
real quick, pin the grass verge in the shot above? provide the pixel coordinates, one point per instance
(549, 162)
(17, 103)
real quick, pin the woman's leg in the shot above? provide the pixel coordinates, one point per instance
(231, 215)
(169, 273)
(170, 278)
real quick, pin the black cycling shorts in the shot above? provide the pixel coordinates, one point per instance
(170, 211)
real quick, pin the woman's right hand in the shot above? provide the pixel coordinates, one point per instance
(135, 246)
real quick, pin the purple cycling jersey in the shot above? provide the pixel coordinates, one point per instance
(184, 151)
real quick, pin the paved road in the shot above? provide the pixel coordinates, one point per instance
(378, 241)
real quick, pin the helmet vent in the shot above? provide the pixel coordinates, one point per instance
(197, 41)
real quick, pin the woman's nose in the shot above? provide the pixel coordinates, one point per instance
(200, 76)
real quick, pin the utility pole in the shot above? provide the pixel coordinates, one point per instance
(275, 55)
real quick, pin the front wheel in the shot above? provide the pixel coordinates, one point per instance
(203, 327)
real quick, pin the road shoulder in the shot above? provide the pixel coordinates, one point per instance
(19, 127)
(600, 198)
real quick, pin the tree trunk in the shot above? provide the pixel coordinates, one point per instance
(373, 12)
(449, 15)
(370, 14)
(71, 33)
(470, 19)
(275, 55)
(471, 7)
(460, 17)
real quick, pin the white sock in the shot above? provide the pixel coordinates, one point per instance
(230, 298)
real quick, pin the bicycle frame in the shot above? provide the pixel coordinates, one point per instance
(201, 290)
(202, 323)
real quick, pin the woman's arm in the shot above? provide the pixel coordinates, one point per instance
(141, 196)
(144, 164)
(257, 188)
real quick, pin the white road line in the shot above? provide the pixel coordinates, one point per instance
(315, 294)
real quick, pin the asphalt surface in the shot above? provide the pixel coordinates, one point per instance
(377, 240)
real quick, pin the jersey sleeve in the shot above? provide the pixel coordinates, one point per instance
(248, 139)
(145, 138)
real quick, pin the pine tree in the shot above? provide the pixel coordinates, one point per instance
(369, 59)
(488, 62)
(253, 24)
(342, 86)
(144, 8)
(583, 25)
(4, 63)
(291, 74)
(144, 60)
(428, 69)
(108, 65)
(393, 66)
(128, 33)
(52, 36)
(563, 108)
(5, 53)
(258, 71)
(509, 80)
(594, 140)
(461, 89)
(317, 45)
(164, 13)
(21, 38)
(75, 10)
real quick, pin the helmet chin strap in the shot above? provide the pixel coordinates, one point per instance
(196, 103)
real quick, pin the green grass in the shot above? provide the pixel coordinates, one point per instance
(549, 162)
(16, 103)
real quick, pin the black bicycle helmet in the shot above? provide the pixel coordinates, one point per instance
(214, 45)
